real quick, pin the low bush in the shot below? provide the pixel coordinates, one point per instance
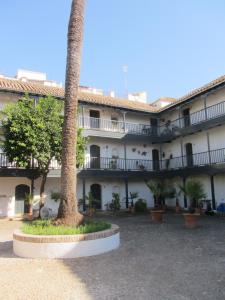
(46, 227)
(140, 206)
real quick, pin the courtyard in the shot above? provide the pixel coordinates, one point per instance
(154, 261)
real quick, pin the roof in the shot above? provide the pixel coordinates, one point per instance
(13, 85)
(199, 91)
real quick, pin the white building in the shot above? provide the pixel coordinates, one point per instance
(130, 142)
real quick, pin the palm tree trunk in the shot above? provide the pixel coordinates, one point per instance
(68, 210)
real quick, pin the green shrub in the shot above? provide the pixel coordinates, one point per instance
(46, 227)
(115, 204)
(140, 206)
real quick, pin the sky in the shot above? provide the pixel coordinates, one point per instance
(169, 46)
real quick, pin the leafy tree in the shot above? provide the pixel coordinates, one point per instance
(68, 209)
(33, 133)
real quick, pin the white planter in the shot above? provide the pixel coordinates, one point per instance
(65, 246)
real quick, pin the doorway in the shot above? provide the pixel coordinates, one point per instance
(20, 194)
(155, 159)
(95, 119)
(96, 192)
(186, 116)
(189, 154)
(95, 157)
(154, 125)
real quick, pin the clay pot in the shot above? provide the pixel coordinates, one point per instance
(191, 220)
(157, 216)
(131, 209)
(177, 209)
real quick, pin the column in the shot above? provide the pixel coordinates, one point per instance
(213, 192)
(126, 192)
(208, 144)
(125, 156)
(84, 194)
(185, 198)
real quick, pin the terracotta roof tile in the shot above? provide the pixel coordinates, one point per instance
(38, 89)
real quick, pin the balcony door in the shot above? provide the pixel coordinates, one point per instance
(95, 119)
(95, 157)
(189, 154)
(154, 125)
(20, 194)
(155, 159)
(186, 116)
(96, 192)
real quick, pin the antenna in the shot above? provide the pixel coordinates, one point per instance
(125, 71)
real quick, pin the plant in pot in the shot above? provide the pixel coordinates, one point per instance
(115, 204)
(140, 206)
(29, 204)
(91, 201)
(194, 190)
(133, 196)
(160, 191)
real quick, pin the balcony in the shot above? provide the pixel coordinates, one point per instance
(197, 121)
(203, 119)
(114, 128)
(207, 161)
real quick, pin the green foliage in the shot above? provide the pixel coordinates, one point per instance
(92, 202)
(28, 199)
(140, 206)
(55, 196)
(194, 190)
(133, 195)
(115, 204)
(80, 149)
(160, 191)
(33, 131)
(46, 227)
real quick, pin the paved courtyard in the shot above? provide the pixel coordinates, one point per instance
(157, 262)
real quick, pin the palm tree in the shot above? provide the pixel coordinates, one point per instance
(68, 209)
(194, 190)
(160, 191)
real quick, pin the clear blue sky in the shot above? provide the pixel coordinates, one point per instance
(170, 47)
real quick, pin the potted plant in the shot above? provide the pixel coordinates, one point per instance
(194, 190)
(28, 202)
(115, 204)
(132, 197)
(160, 191)
(91, 200)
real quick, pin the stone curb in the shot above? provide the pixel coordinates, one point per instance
(20, 236)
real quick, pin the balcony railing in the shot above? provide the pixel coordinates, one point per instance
(171, 127)
(207, 158)
(116, 126)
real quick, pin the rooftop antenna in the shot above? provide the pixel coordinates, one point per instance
(125, 71)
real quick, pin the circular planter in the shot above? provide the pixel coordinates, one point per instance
(157, 216)
(191, 220)
(65, 246)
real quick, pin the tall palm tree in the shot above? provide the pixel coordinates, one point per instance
(68, 210)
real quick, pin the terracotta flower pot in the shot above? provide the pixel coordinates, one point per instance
(178, 209)
(131, 209)
(191, 220)
(157, 216)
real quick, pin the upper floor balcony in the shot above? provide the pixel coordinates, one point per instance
(189, 123)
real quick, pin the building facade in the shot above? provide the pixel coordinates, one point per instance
(129, 143)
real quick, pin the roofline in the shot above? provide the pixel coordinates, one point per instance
(81, 102)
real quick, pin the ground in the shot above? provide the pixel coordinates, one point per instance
(154, 262)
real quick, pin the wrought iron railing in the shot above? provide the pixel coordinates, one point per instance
(212, 157)
(169, 128)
